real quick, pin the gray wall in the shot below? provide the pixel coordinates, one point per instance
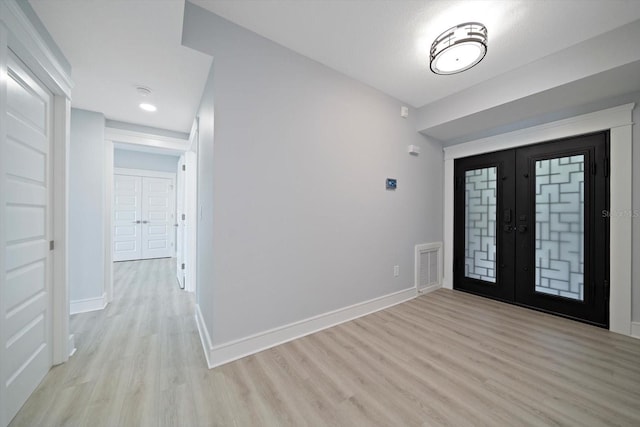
(86, 205)
(295, 219)
(147, 161)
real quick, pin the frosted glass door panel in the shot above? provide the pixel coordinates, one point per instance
(560, 227)
(480, 224)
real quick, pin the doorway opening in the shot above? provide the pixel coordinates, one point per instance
(151, 202)
(530, 226)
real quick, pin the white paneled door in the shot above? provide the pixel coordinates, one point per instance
(158, 213)
(25, 351)
(144, 217)
(127, 222)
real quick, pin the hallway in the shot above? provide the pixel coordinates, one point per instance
(134, 359)
(446, 358)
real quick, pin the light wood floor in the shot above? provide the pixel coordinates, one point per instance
(447, 358)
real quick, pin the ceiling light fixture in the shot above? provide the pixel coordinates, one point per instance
(145, 92)
(459, 48)
(148, 107)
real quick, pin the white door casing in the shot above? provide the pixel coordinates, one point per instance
(26, 350)
(143, 215)
(127, 217)
(180, 221)
(190, 222)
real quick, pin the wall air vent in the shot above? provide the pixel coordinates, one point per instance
(428, 267)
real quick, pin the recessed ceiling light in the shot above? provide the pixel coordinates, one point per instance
(148, 107)
(459, 48)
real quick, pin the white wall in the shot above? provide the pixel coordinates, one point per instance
(295, 219)
(204, 243)
(86, 206)
(148, 161)
(635, 275)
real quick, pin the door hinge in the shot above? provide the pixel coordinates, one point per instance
(606, 290)
(51, 245)
(182, 267)
(458, 183)
(606, 167)
(593, 168)
(184, 217)
(184, 167)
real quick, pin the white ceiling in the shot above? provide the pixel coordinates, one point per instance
(385, 43)
(114, 45)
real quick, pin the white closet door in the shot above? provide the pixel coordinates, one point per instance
(158, 213)
(127, 228)
(25, 351)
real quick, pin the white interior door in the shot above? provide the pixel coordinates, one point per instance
(191, 222)
(158, 217)
(127, 217)
(25, 350)
(180, 220)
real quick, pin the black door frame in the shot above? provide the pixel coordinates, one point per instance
(513, 235)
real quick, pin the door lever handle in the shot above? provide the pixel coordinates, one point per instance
(137, 222)
(145, 222)
(522, 228)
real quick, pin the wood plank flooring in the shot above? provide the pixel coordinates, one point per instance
(447, 358)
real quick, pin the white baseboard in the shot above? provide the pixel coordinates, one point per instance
(89, 304)
(71, 348)
(428, 289)
(228, 352)
(635, 329)
(205, 338)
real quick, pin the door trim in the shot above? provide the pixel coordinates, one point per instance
(619, 121)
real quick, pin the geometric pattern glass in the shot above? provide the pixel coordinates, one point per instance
(480, 224)
(560, 227)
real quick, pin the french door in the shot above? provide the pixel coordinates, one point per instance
(144, 216)
(531, 227)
